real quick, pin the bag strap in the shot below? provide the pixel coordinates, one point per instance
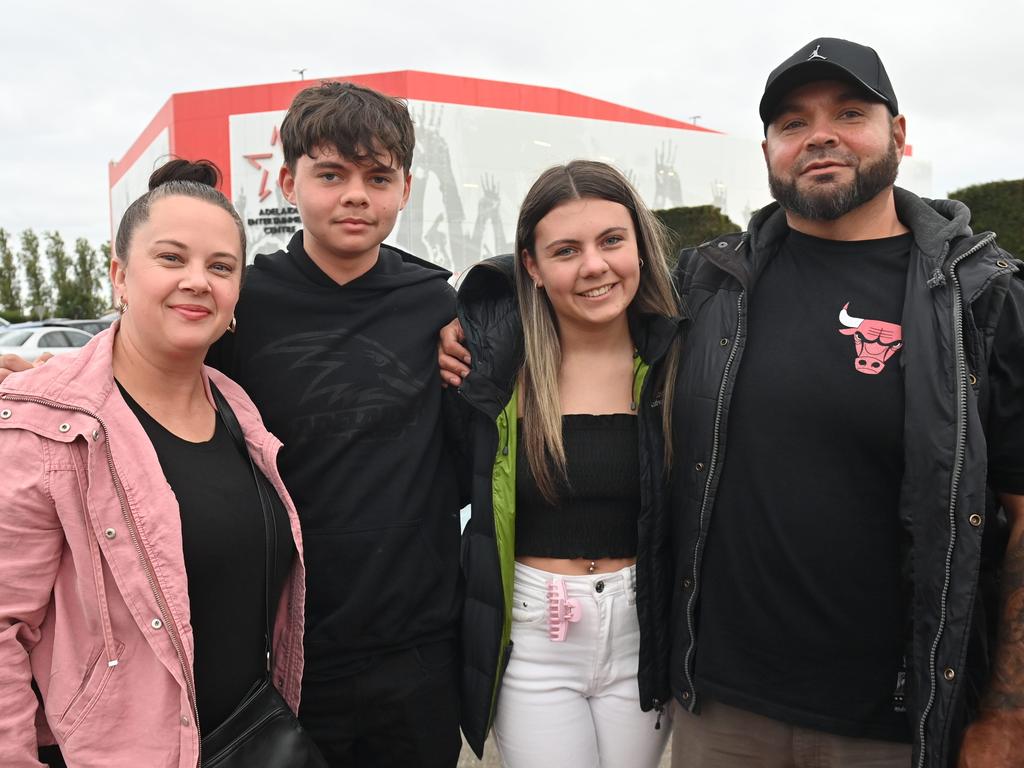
(270, 529)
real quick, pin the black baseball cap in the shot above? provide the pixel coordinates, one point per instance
(828, 58)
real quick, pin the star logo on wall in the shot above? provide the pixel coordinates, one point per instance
(256, 161)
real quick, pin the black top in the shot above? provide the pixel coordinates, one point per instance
(801, 616)
(224, 542)
(346, 377)
(596, 511)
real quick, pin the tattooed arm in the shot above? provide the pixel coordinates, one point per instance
(996, 738)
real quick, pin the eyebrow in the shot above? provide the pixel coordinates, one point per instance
(182, 246)
(329, 165)
(574, 241)
(381, 169)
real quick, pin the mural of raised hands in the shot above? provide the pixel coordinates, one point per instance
(446, 240)
(488, 210)
(668, 188)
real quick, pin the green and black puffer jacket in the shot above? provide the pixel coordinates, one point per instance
(489, 315)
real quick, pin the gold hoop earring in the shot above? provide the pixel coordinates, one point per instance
(122, 305)
(232, 325)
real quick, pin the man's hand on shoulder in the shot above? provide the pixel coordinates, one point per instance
(13, 364)
(452, 358)
(996, 737)
(994, 740)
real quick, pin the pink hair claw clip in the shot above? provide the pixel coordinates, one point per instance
(562, 610)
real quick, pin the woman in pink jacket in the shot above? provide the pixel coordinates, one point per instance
(133, 548)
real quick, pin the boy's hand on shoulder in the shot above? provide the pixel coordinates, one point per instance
(452, 358)
(14, 364)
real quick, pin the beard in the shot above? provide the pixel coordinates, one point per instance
(831, 202)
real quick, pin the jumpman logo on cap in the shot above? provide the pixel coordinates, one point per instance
(815, 54)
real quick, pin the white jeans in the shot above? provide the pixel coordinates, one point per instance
(576, 703)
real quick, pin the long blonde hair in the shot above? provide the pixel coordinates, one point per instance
(542, 417)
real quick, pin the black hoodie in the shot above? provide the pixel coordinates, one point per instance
(346, 376)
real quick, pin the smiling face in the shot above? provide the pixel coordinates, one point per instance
(181, 278)
(830, 149)
(347, 209)
(586, 259)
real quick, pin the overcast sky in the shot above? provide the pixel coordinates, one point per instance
(79, 81)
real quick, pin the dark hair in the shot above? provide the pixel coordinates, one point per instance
(179, 169)
(363, 125)
(542, 415)
(180, 177)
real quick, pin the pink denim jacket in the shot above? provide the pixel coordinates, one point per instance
(93, 592)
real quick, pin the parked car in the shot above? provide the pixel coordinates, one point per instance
(29, 343)
(4, 323)
(92, 327)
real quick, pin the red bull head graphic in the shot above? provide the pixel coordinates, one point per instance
(876, 340)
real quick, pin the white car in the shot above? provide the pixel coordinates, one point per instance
(29, 343)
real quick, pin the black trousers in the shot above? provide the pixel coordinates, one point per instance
(401, 711)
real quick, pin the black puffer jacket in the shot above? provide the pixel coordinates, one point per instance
(957, 283)
(490, 318)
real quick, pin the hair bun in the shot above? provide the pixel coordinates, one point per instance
(179, 169)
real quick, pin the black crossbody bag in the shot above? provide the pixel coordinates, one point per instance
(262, 732)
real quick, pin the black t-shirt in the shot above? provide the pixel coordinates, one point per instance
(346, 377)
(802, 612)
(223, 537)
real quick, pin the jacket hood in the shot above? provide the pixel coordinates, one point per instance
(394, 269)
(83, 378)
(933, 222)
(489, 314)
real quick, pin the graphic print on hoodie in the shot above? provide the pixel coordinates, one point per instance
(346, 377)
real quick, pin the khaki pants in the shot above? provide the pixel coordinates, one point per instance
(725, 737)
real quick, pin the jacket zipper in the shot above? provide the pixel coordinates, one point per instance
(705, 503)
(147, 566)
(958, 465)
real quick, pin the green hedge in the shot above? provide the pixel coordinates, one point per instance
(997, 206)
(14, 317)
(694, 225)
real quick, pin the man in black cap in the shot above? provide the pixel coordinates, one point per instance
(849, 480)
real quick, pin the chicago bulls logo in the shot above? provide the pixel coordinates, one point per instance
(875, 340)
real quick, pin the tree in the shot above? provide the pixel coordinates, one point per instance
(64, 287)
(88, 300)
(997, 206)
(10, 290)
(38, 291)
(694, 225)
(105, 286)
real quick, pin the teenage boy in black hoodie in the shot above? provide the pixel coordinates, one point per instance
(336, 344)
